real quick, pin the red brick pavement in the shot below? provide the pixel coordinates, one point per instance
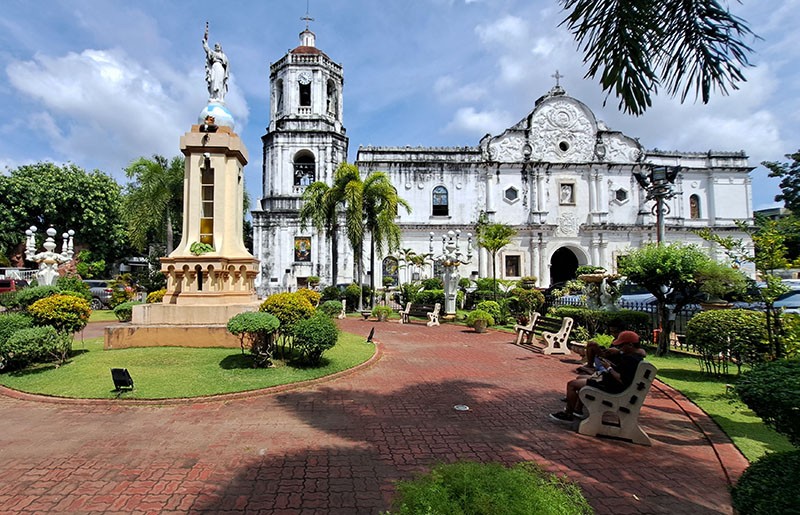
(339, 445)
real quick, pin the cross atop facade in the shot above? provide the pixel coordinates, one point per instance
(557, 76)
(307, 18)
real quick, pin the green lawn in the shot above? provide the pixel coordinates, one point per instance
(103, 315)
(747, 431)
(169, 372)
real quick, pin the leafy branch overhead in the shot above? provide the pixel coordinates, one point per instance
(637, 46)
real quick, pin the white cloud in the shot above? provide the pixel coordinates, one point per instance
(507, 31)
(103, 107)
(477, 123)
(449, 90)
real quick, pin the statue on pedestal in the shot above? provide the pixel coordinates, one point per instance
(49, 260)
(216, 70)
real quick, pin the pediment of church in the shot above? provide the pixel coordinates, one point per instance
(560, 129)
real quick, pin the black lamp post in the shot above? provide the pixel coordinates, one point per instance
(658, 185)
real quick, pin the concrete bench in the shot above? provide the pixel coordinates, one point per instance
(433, 316)
(526, 331)
(617, 414)
(418, 310)
(553, 334)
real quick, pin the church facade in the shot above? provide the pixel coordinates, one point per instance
(560, 177)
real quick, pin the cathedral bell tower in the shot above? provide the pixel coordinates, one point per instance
(304, 143)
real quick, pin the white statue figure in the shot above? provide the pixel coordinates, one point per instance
(216, 71)
(48, 260)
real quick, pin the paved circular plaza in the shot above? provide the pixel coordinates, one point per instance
(339, 445)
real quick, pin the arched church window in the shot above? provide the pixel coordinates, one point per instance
(440, 201)
(389, 272)
(694, 207)
(304, 168)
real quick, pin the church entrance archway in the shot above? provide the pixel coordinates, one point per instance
(563, 265)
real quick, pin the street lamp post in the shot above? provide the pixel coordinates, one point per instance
(451, 258)
(658, 185)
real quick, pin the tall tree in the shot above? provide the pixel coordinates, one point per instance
(320, 208)
(371, 205)
(66, 197)
(493, 237)
(638, 46)
(153, 205)
(789, 173)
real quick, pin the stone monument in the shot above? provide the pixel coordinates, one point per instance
(49, 260)
(210, 274)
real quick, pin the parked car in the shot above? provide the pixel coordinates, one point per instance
(101, 293)
(7, 285)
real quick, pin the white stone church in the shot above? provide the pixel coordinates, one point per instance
(562, 178)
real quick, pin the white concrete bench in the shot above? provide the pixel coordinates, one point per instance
(557, 342)
(404, 313)
(433, 316)
(343, 314)
(622, 407)
(526, 331)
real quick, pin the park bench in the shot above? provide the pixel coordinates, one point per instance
(617, 414)
(419, 310)
(526, 330)
(552, 334)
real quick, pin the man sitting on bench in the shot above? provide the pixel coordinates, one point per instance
(612, 375)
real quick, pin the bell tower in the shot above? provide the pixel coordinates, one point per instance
(305, 142)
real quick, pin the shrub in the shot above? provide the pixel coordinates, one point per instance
(66, 313)
(312, 296)
(493, 308)
(313, 336)
(429, 297)
(76, 285)
(34, 344)
(352, 292)
(597, 321)
(524, 301)
(479, 314)
(10, 323)
(290, 308)
(331, 293)
(434, 283)
(27, 296)
(124, 311)
(791, 335)
(769, 486)
(156, 297)
(380, 310)
(331, 308)
(488, 489)
(408, 292)
(256, 331)
(772, 391)
(736, 334)
(122, 289)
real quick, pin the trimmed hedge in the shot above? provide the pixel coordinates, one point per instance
(256, 331)
(597, 321)
(124, 311)
(290, 308)
(313, 336)
(27, 296)
(156, 297)
(772, 391)
(66, 313)
(331, 308)
(34, 344)
(76, 285)
(479, 314)
(769, 486)
(493, 308)
(10, 323)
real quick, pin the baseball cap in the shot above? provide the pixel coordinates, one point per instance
(626, 337)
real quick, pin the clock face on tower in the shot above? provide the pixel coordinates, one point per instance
(304, 78)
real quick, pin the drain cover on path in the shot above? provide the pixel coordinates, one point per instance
(461, 407)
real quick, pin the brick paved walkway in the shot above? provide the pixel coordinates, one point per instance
(337, 446)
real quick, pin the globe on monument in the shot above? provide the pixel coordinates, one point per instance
(222, 116)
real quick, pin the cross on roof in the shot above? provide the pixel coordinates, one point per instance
(557, 76)
(307, 18)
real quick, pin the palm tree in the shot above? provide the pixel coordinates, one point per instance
(320, 207)
(153, 203)
(371, 206)
(494, 237)
(406, 255)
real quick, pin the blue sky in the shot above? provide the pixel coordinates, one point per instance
(100, 83)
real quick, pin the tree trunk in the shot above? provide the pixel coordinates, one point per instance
(494, 277)
(334, 255)
(360, 276)
(372, 271)
(665, 323)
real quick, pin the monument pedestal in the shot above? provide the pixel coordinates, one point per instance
(210, 274)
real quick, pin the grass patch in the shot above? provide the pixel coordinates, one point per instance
(171, 372)
(103, 315)
(488, 489)
(748, 432)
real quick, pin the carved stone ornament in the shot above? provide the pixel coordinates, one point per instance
(507, 149)
(620, 149)
(567, 225)
(561, 132)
